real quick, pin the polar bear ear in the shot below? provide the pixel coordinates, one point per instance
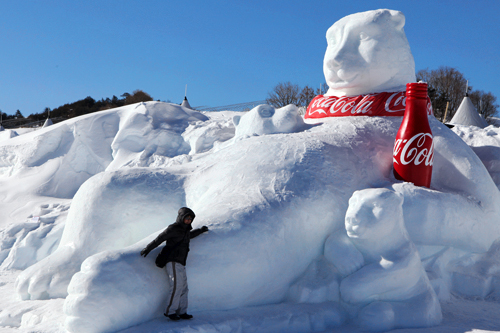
(236, 120)
(390, 197)
(398, 18)
(392, 17)
(396, 199)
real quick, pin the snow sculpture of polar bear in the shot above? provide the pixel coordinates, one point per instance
(264, 119)
(391, 288)
(270, 201)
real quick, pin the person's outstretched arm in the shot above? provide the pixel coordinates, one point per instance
(155, 243)
(196, 232)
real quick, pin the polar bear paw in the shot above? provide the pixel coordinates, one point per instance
(377, 316)
(48, 278)
(115, 290)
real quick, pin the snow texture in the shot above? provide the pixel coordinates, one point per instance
(309, 230)
(486, 146)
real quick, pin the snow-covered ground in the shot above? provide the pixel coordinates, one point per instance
(81, 198)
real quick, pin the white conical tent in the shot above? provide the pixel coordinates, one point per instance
(467, 115)
(48, 122)
(185, 103)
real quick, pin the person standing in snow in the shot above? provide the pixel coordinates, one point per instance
(173, 257)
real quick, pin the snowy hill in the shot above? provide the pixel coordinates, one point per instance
(81, 198)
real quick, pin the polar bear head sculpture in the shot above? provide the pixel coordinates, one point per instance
(368, 53)
(374, 221)
(265, 119)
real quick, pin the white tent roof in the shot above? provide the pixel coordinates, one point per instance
(468, 115)
(185, 103)
(48, 122)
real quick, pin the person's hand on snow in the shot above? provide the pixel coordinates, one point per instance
(342, 253)
(144, 252)
(204, 228)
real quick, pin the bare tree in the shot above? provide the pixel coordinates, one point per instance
(306, 95)
(47, 111)
(446, 85)
(485, 103)
(284, 94)
(323, 88)
(136, 97)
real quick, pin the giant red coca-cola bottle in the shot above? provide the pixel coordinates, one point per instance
(414, 149)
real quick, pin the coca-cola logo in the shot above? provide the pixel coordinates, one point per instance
(317, 111)
(363, 107)
(334, 104)
(395, 103)
(322, 103)
(343, 105)
(378, 104)
(414, 150)
(319, 105)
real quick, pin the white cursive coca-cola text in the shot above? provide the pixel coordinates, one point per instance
(395, 104)
(414, 150)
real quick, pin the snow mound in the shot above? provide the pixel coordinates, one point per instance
(151, 129)
(478, 275)
(26, 243)
(59, 158)
(486, 145)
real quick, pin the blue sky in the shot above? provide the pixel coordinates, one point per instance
(57, 52)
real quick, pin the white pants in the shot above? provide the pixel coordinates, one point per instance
(178, 292)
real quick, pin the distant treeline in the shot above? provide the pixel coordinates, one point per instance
(89, 105)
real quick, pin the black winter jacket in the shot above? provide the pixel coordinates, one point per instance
(177, 236)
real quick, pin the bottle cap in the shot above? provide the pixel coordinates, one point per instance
(416, 90)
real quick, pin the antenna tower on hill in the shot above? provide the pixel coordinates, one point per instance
(185, 102)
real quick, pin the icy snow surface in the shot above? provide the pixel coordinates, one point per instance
(276, 205)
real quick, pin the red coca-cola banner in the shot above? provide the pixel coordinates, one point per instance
(380, 104)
